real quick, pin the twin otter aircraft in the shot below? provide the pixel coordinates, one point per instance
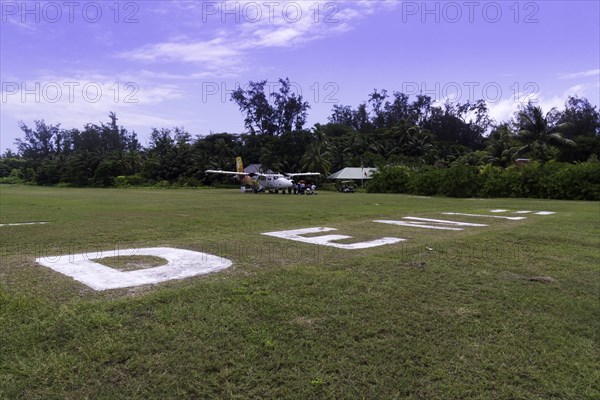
(261, 182)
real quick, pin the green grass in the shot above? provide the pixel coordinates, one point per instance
(510, 311)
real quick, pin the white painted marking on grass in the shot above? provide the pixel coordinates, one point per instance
(418, 222)
(417, 225)
(181, 264)
(25, 223)
(326, 240)
(443, 221)
(525, 212)
(486, 216)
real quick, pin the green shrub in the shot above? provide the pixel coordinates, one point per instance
(106, 172)
(553, 180)
(390, 179)
(575, 182)
(15, 177)
(129, 180)
(426, 181)
(497, 182)
(164, 184)
(48, 172)
(9, 165)
(461, 181)
(186, 181)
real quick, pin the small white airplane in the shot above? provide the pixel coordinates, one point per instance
(260, 181)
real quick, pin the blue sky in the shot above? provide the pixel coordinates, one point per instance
(172, 63)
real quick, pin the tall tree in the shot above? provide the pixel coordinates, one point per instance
(43, 148)
(170, 155)
(377, 100)
(342, 115)
(582, 118)
(539, 134)
(39, 142)
(418, 144)
(399, 111)
(287, 110)
(501, 146)
(317, 157)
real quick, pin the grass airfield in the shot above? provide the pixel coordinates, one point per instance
(507, 311)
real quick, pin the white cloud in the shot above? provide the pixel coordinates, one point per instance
(583, 89)
(154, 75)
(77, 99)
(504, 109)
(275, 25)
(282, 37)
(24, 26)
(215, 53)
(582, 74)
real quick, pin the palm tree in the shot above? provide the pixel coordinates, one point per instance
(419, 146)
(538, 134)
(500, 146)
(417, 143)
(356, 144)
(317, 157)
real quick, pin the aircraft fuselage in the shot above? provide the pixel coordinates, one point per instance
(274, 182)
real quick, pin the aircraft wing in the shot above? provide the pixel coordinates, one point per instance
(218, 171)
(303, 174)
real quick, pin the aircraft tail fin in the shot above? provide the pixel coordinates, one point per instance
(239, 167)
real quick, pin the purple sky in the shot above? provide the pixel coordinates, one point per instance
(171, 63)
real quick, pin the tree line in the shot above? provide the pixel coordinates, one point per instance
(386, 129)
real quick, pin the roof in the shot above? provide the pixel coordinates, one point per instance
(256, 168)
(353, 173)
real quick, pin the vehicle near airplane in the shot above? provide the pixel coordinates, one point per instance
(260, 182)
(346, 186)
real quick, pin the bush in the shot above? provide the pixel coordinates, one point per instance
(164, 184)
(129, 180)
(553, 180)
(390, 179)
(15, 177)
(426, 181)
(48, 172)
(548, 187)
(186, 181)
(461, 181)
(106, 172)
(574, 182)
(9, 165)
(497, 182)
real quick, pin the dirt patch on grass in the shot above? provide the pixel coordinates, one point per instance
(536, 278)
(132, 263)
(304, 321)
(542, 279)
(416, 264)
